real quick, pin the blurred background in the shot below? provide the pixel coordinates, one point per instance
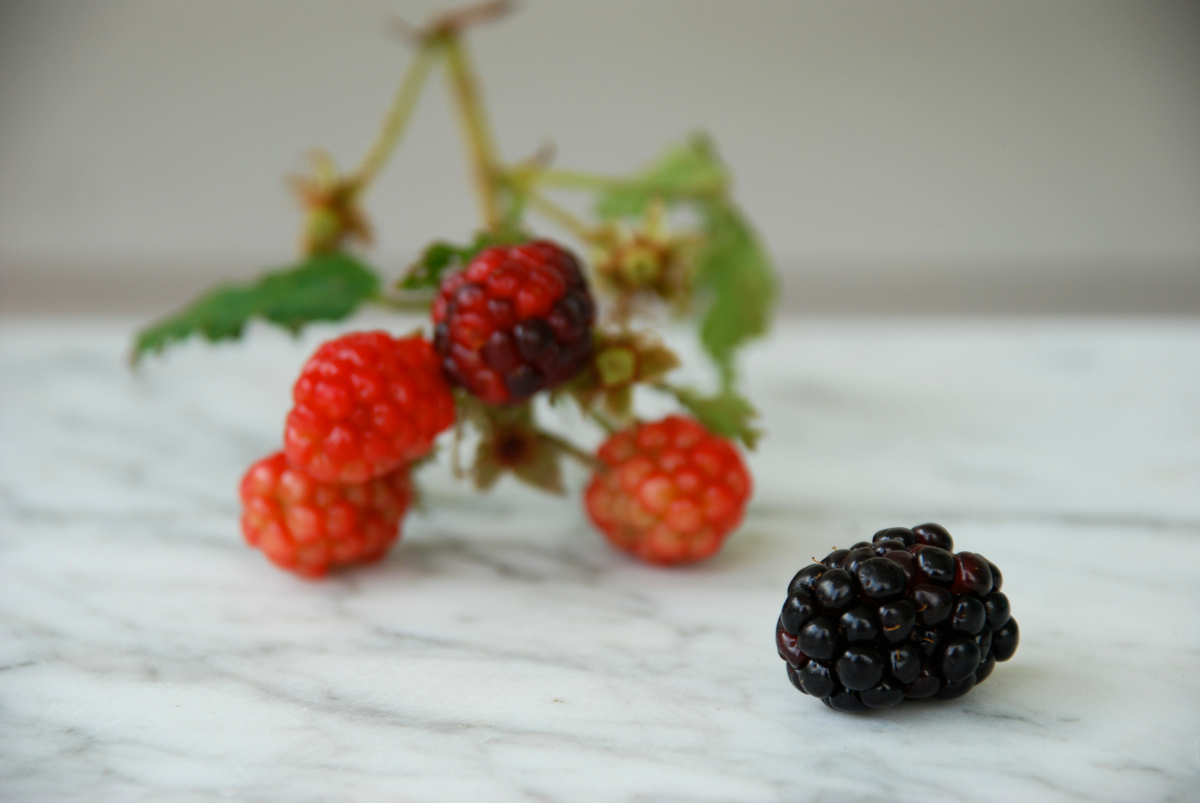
(930, 156)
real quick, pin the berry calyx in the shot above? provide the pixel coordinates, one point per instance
(307, 526)
(517, 320)
(672, 493)
(365, 404)
(900, 618)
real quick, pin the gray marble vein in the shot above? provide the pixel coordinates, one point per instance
(504, 652)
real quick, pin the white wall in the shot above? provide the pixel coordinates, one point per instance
(864, 136)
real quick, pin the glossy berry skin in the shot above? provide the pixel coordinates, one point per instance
(902, 618)
(672, 493)
(307, 526)
(366, 404)
(518, 319)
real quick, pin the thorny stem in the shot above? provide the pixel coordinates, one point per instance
(478, 134)
(398, 115)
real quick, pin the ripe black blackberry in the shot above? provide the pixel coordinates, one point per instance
(900, 618)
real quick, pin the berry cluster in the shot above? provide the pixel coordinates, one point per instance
(366, 406)
(902, 618)
(514, 321)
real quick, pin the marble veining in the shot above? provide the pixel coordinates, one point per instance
(503, 652)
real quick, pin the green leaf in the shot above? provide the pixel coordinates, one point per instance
(735, 272)
(726, 414)
(326, 287)
(441, 257)
(691, 169)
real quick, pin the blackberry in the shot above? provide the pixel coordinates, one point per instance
(903, 617)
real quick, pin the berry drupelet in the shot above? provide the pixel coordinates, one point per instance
(672, 493)
(901, 618)
(518, 319)
(307, 526)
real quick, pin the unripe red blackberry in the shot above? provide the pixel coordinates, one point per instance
(672, 491)
(306, 526)
(366, 403)
(900, 618)
(518, 319)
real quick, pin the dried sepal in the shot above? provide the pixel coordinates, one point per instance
(648, 260)
(510, 441)
(333, 217)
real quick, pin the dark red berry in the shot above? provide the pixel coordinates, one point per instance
(933, 604)
(858, 624)
(880, 578)
(798, 609)
(998, 611)
(960, 658)
(789, 650)
(997, 578)
(905, 560)
(904, 663)
(887, 694)
(927, 684)
(901, 534)
(845, 701)
(889, 545)
(818, 638)
(897, 619)
(984, 639)
(860, 667)
(968, 615)
(857, 557)
(817, 679)
(806, 577)
(927, 640)
(794, 677)
(934, 535)
(1004, 640)
(834, 559)
(985, 668)
(971, 574)
(951, 690)
(835, 590)
(516, 320)
(937, 564)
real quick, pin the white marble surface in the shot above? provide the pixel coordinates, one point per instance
(503, 652)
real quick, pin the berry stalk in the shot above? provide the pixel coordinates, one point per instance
(396, 122)
(480, 146)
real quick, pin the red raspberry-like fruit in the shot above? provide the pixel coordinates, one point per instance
(672, 493)
(366, 403)
(306, 526)
(517, 320)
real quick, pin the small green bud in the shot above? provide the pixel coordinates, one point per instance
(616, 366)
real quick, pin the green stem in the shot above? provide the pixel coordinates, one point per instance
(559, 215)
(480, 147)
(398, 115)
(578, 180)
(571, 450)
(600, 420)
(417, 303)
